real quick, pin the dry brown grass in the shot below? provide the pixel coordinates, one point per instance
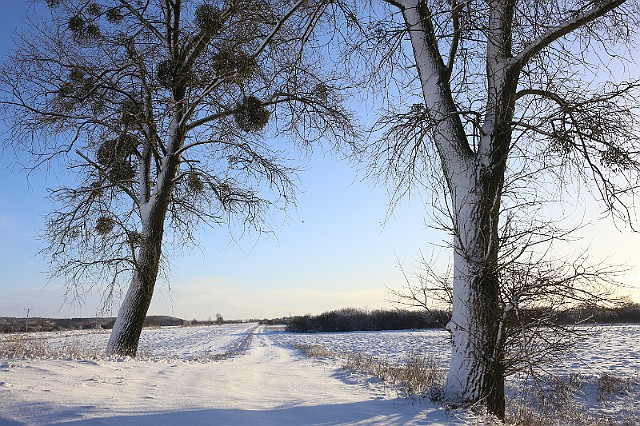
(23, 346)
(423, 377)
(576, 400)
(415, 376)
(610, 385)
(554, 401)
(29, 346)
(316, 351)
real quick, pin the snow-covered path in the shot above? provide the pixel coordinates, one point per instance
(267, 384)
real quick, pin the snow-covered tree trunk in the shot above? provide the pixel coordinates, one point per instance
(475, 179)
(153, 211)
(128, 326)
(476, 372)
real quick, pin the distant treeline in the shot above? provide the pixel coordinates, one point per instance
(352, 319)
(36, 324)
(629, 313)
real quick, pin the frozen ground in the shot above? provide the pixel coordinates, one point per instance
(395, 346)
(248, 374)
(598, 383)
(228, 375)
(613, 349)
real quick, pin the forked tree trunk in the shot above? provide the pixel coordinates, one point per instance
(475, 168)
(475, 180)
(128, 326)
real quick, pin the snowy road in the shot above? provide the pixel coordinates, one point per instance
(267, 384)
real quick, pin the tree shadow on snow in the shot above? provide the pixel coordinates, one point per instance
(396, 411)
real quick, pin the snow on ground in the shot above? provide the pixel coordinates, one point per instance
(240, 374)
(600, 379)
(184, 343)
(178, 380)
(395, 346)
(613, 349)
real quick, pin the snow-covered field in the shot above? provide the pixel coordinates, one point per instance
(613, 349)
(599, 379)
(242, 374)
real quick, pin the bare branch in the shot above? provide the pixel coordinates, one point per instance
(593, 11)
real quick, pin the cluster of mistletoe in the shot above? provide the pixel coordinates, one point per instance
(160, 107)
(113, 93)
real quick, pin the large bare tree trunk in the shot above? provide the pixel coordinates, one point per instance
(475, 180)
(476, 373)
(128, 326)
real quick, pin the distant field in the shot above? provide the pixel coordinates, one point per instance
(609, 349)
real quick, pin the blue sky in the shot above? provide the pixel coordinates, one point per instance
(333, 251)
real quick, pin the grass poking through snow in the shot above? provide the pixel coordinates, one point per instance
(422, 377)
(30, 347)
(575, 399)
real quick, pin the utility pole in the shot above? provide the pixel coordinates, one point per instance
(26, 323)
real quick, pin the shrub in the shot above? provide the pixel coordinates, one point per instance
(351, 319)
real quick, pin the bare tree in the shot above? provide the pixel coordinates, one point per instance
(503, 88)
(161, 109)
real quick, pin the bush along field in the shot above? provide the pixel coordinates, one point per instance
(353, 319)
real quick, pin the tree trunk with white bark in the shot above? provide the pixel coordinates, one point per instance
(476, 373)
(128, 326)
(476, 61)
(475, 179)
